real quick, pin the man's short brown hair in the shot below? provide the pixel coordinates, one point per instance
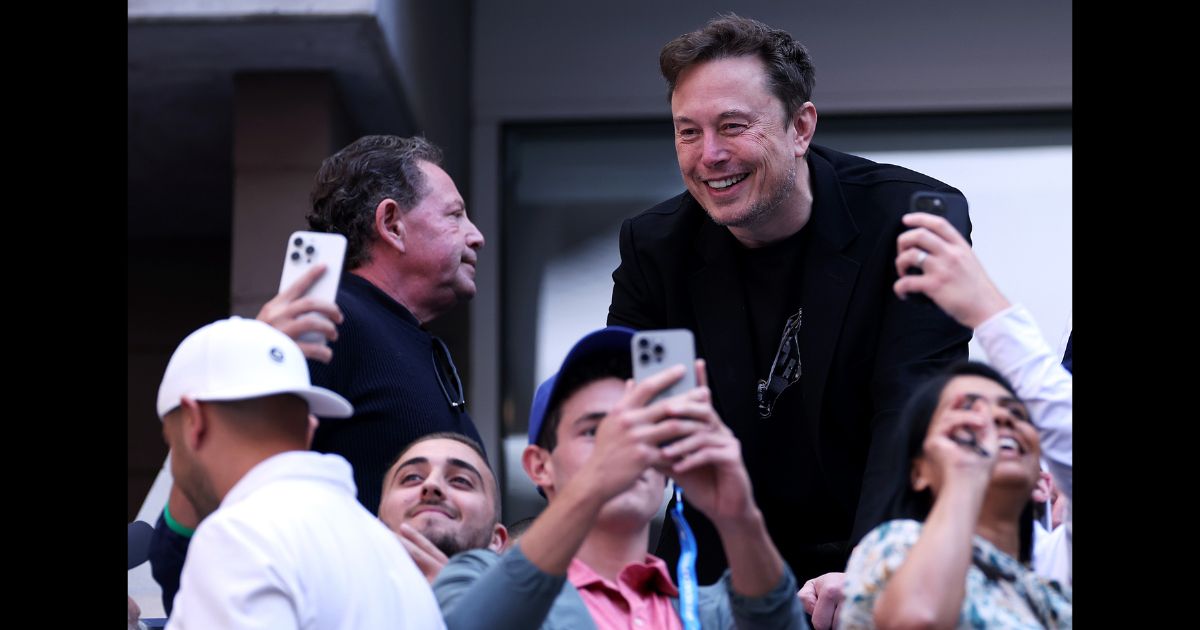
(790, 71)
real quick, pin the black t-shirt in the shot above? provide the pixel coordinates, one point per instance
(791, 489)
(771, 278)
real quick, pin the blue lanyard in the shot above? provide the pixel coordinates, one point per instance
(689, 611)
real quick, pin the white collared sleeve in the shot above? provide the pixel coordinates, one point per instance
(1016, 348)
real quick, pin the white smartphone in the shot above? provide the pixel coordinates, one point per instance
(305, 249)
(656, 350)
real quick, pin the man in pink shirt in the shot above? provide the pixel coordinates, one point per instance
(601, 454)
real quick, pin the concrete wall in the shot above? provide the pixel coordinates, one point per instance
(538, 59)
(430, 43)
(284, 126)
(228, 9)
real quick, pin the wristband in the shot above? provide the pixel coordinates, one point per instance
(175, 525)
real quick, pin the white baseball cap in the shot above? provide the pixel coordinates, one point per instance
(236, 359)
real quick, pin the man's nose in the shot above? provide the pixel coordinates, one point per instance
(431, 488)
(474, 236)
(715, 150)
(1004, 418)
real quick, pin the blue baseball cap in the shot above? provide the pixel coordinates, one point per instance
(606, 341)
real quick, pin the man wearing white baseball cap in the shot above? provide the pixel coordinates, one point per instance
(283, 543)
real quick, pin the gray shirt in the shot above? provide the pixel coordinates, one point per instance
(482, 589)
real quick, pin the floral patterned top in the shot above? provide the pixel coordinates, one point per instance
(1001, 592)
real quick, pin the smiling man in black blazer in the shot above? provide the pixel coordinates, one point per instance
(780, 258)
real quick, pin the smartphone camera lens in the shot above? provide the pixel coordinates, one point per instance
(310, 249)
(658, 350)
(298, 242)
(929, 204)
(645, 358)
(295, 255)
(643, 343)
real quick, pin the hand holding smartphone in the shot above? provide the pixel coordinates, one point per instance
(656, 350)
(304, 250)
(950, 206)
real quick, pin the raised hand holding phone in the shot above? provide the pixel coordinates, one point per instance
(952, 276)
(304, 250)
(954, 209)
(656, 350)
(652, 352)
(305, 307)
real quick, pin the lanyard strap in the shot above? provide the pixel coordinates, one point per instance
(689, 610)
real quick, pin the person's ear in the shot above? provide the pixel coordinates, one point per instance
(195, 423)
(803, 125)
(539, 467)
(389, 225)
(920, 480)
(499, 538)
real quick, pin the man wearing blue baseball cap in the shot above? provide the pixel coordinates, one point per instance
(600, 451)
(282, 543)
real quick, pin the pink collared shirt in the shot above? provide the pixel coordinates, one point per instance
(640, 599)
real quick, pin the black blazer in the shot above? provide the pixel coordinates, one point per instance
(863, 350)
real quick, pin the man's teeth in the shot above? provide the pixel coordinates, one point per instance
(726, 183)
(1009, 443)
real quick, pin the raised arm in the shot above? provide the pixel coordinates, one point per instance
(707, 464)
(289, 312)
(928, 589)
(956, 281)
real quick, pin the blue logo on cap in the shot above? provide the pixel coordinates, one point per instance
(277, 354)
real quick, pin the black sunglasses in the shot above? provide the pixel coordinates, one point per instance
(447, 375)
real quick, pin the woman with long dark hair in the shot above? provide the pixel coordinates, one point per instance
(957, 554)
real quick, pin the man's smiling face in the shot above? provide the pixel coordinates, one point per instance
(443, 489)
(736, 147)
